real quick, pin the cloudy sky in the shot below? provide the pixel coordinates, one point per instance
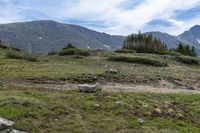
(111, 16)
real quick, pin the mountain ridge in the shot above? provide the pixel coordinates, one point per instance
(44, 36)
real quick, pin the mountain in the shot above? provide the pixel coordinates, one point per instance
(192, 37)
(41, 37)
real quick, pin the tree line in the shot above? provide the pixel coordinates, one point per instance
(185, 49)
(146, 43)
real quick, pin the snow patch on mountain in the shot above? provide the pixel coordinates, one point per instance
(198, 41)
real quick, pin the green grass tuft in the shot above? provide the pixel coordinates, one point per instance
(18, 55)
(188, 60)
(138, 59)
(74, 51)
(125, 51)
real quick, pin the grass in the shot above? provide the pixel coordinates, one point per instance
(40, 110)
(125, 51)
(70, 68)
(138, 59)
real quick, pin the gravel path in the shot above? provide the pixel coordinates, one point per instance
(162, 87)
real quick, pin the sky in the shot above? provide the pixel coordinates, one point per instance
(120, 17)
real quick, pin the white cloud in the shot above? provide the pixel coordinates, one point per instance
(110, 13)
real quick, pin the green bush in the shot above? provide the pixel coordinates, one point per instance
(138, 59)
(69, 46)
(125, 51)
(68, 52)
(18, 55)
(188, 60)
(74, 51)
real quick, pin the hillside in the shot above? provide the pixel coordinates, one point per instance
(42, 96)
(41, 37)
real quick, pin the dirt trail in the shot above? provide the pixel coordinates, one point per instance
(162, 87)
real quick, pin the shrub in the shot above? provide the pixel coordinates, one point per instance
(125, 51)
(69, 46)
(74, 51)
(68, 52)
(188, 60)
(18, 55)
(138, 59)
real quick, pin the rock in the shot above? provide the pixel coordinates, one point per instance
(89, 88)
(5, 124)
(170, 111)
(96, 105)
(111, 71)
(179, 115)
(140, 121)
(119, 102)
(156, 112)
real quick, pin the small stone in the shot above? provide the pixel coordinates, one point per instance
(170, 111)
(96, 105)
(119, 102)
(179, 115)
(156, 112)
(140, 121)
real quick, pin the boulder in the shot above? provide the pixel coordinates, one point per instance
(5, 124)
(111, 71)
(89, 88)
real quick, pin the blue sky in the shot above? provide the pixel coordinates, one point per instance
(110, 16)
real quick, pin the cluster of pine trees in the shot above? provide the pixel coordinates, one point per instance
(144, 43)
(185, 49)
